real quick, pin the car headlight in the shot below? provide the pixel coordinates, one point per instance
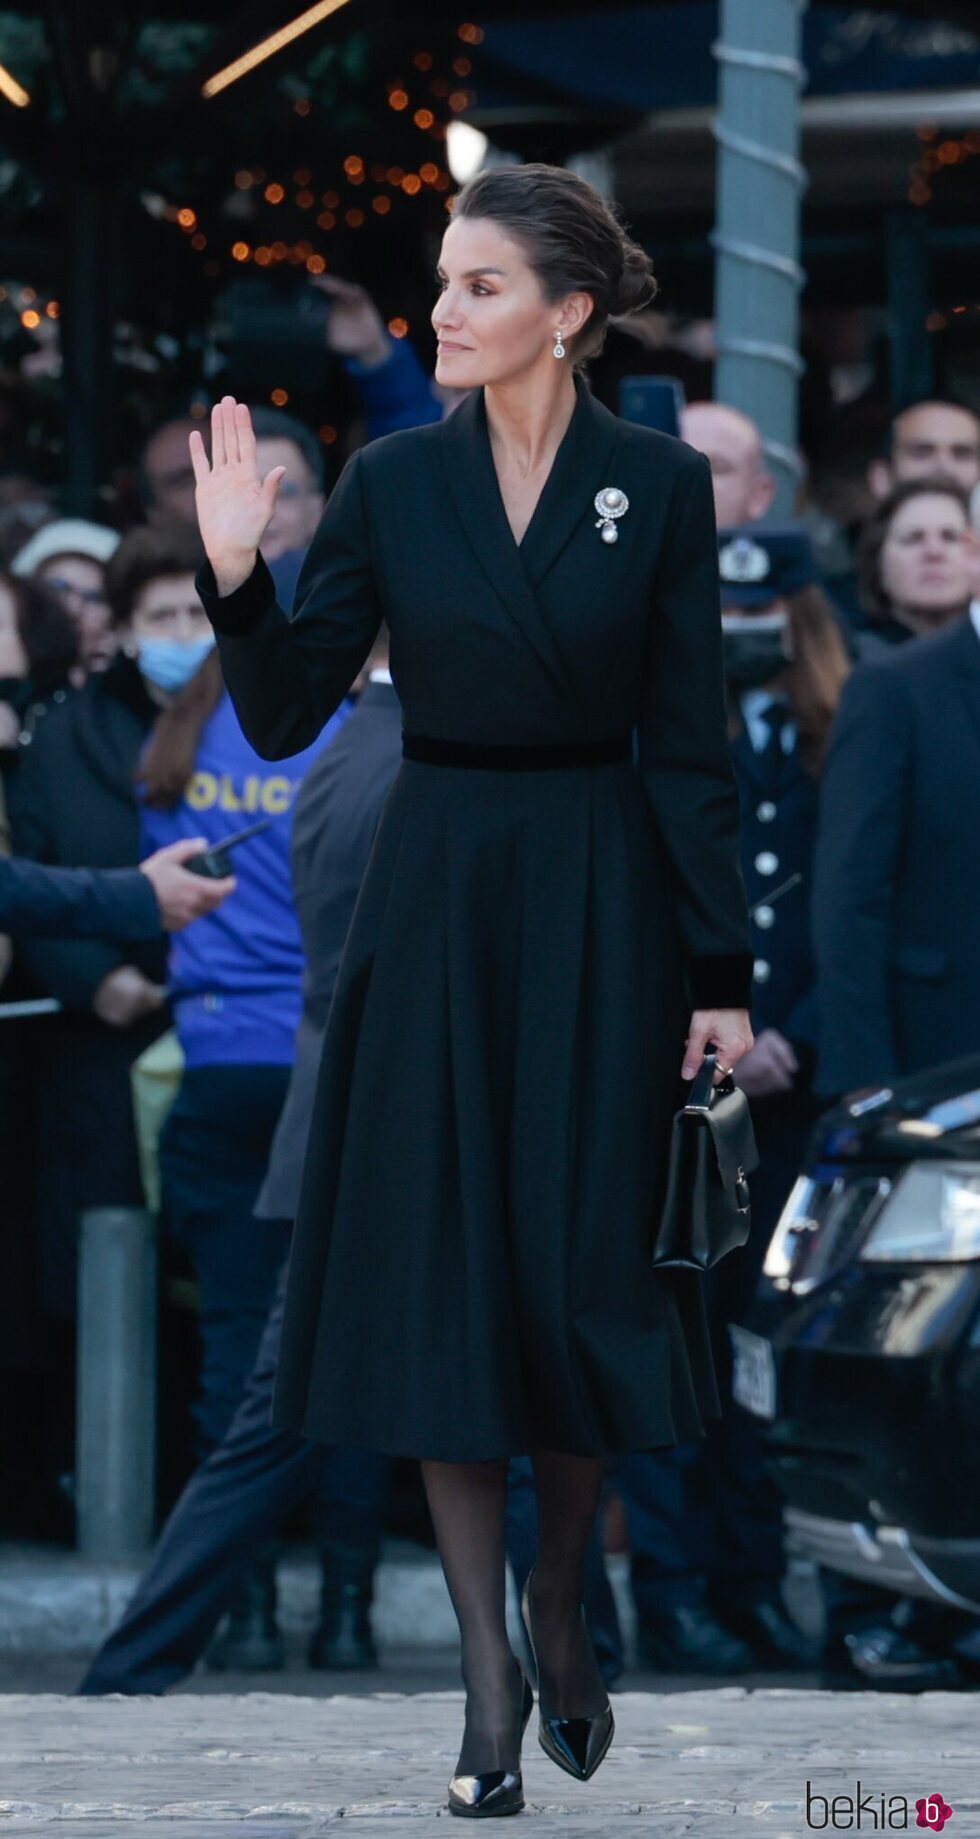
(797, 1218)
(931, 1216)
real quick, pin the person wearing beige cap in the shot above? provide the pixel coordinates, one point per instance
(70, 555)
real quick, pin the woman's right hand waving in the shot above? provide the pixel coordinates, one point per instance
(234, 503)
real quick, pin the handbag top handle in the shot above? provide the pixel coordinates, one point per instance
(703, 1088)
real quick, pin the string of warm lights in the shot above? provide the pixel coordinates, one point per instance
(429, 97)
(329, 209)
(24, 303)
(429, 177)
(938, 156)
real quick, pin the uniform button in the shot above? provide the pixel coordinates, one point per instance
(766, 811)
(766, 862)
(25, 737)
(760, 970)
(764, 916)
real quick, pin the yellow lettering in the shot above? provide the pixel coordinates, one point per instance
(250, 795)
(228, 800)
(277, 796)
(201, 792)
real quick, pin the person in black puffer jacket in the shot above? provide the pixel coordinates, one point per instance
(72, 804)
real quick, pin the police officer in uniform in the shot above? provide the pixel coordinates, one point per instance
(768, 577)
(706, 1533)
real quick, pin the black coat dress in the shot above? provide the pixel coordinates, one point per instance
(470, 1270)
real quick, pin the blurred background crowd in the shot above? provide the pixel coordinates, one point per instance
(276, 236)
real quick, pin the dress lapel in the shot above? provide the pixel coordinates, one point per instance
(514, 571)
(579, 472)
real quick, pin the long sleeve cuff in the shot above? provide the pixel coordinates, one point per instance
(721, 980)
(237, 613)
(136, 912)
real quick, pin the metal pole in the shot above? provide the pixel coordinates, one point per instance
(87, 332)
(116, 1428)
(759, 188)
(907, 248)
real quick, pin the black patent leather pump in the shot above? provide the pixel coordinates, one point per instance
(577, 1745)
(495, 1791)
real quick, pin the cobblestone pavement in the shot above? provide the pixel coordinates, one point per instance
(709, 1764)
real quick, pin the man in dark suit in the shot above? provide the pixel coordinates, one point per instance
(897, 887)
(897, 880)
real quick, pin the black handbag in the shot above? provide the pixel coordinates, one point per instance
(712, 1152)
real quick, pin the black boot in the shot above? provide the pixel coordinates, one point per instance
(343, 1639)
(775, 1639)
(250, 1641)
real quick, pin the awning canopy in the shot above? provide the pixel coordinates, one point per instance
(99, 77)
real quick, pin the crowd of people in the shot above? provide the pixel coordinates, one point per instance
(854, 700)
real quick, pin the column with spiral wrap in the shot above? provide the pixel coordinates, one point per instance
(760, 185)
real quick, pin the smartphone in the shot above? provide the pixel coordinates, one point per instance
(655, 402)
(215, 863)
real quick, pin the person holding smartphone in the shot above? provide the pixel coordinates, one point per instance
(236, 996)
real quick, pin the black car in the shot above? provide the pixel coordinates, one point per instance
(862, 1352)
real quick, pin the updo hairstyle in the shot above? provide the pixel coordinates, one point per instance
(571, 237)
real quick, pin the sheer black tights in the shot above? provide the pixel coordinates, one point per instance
(568, 1488)
(467, 1502)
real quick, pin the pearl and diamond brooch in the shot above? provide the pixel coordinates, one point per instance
(610, 503)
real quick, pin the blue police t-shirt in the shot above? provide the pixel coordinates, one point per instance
(235, 976)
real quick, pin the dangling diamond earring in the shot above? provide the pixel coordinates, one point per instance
(559, 347)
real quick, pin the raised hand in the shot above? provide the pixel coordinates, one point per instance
(234, 503)
(355, 328)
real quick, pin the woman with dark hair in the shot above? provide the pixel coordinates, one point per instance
(546, 919)
(917, 563)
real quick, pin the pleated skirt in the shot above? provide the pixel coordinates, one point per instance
(470, 1272)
